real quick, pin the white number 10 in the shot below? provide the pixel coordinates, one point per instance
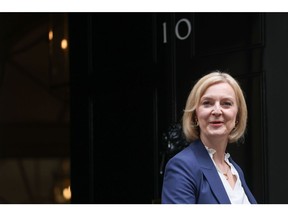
(180, 37)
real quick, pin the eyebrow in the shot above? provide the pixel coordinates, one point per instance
(211, 97)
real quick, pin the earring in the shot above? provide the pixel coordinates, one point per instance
(195, 123)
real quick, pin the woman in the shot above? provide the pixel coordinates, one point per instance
(202, 173)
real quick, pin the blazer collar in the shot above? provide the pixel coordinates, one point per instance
(210, 172)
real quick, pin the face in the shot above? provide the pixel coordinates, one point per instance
(217, 111)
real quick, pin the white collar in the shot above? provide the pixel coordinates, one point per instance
(212, 151)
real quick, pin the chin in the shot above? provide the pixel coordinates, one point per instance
(218, 133)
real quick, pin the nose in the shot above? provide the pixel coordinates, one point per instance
(217, 110)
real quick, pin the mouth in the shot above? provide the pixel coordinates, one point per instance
(216, 123)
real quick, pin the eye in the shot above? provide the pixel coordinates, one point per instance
(227, 104)
(206, 103)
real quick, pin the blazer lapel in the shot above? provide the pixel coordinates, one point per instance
(244, 185)
(211, 173)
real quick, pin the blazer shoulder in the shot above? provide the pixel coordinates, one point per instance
(185, 158)
(190, 152)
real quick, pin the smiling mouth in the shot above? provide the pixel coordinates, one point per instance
(216, 123)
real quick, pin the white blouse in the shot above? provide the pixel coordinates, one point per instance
(237, 194)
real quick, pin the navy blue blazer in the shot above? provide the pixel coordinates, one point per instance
(191, 177)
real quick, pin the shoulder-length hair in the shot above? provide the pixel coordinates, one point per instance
(191, 129)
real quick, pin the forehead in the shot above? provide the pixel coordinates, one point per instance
(223, 90)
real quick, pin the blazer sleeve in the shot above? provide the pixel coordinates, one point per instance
(179, 185)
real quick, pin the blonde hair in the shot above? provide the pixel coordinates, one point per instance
(189, 124)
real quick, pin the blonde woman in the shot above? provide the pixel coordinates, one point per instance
(204, 173)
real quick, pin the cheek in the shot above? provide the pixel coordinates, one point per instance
(233, 116)
(203, 118)
(201, 114)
